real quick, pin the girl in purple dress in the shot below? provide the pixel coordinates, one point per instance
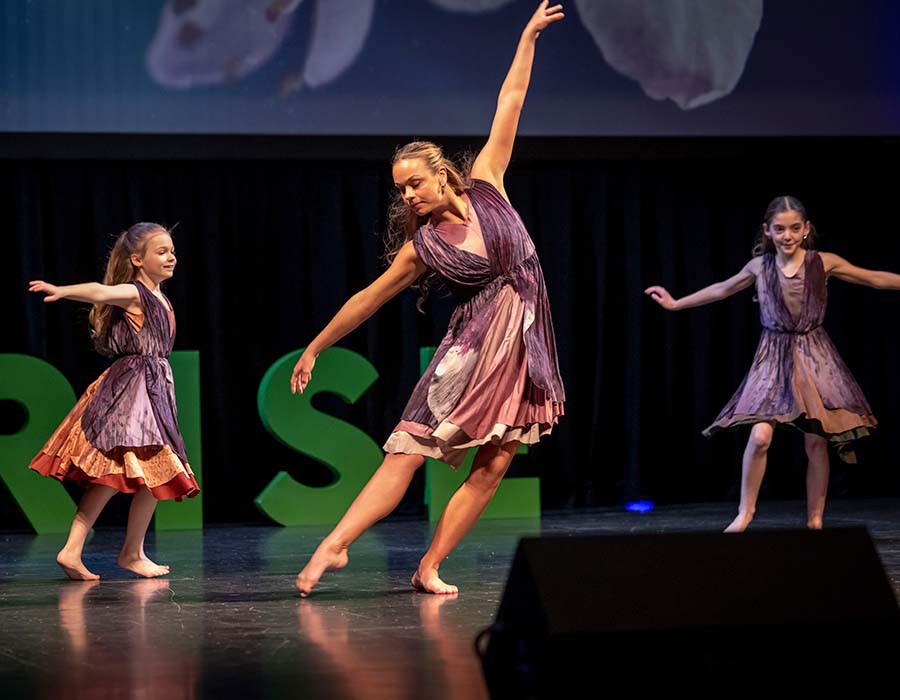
(122, 434)
(494, 382)
(797, 378)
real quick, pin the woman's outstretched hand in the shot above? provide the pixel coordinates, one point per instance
(542, 18)
(661, 297)
(51, 290)
(302, 372)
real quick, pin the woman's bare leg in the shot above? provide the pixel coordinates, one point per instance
(378, 498)
(462, 512)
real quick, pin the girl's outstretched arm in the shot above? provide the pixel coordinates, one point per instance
(843, 270)
(707, 295)
(491, 162)
(404, 270)
(124, 295)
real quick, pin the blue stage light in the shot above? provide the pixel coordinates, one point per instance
(639, 506)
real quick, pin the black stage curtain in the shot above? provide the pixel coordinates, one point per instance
(272, 240)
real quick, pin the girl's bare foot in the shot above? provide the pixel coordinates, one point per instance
(428, 581)
(142, 566)
(740, 523)
(327, 557)
(74, 568)
(814, 523)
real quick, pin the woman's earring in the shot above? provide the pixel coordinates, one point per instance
(442, 188)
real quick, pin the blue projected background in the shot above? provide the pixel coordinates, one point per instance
(422, 67)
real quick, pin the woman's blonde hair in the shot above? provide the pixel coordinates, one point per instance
(403, 222)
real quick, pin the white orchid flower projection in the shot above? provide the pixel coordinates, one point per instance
(689, 51)
(207, 42)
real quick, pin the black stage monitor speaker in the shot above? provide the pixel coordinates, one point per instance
(691, 609)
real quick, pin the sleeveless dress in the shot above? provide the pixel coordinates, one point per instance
(123, 431)
(797, 378)
(495, 375)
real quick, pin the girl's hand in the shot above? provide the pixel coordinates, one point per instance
(302, 372)
(661, 297)
(542, 18)
(51, 290)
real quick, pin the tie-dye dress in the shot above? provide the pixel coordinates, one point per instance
(123, 431)
(797, 378)
(495, 376)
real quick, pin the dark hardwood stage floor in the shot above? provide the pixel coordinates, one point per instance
(228, 622)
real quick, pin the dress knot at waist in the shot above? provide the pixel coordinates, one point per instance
(782, 331)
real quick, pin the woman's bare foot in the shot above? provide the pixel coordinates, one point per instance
(814, 523)
(740, 523)
(142, 566)
(428, 581)
(327, 557)
(74, 568)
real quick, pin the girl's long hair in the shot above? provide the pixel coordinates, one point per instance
(119, 270)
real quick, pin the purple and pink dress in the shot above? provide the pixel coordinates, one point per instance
(123, 431)
(797, 378)
(495, 376)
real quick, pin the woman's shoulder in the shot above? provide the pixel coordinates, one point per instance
(421, 233)
(421, 243)
(485, 191)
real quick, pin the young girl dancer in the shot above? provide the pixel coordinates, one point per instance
(797, 378)
(494, 381)
(122, 434)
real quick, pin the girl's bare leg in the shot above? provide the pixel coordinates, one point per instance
(816, 480)
(69, 558)
(132, 555)
(754, 467)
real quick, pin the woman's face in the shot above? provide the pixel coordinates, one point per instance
(419, 187)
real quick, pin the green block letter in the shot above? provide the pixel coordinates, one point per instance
(350, 454)
(47, 397)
